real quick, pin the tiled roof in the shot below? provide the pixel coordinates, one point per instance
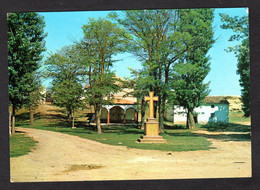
(120, 100)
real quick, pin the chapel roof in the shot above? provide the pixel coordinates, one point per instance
(120, 100)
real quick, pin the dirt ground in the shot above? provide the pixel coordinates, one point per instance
(62, 157)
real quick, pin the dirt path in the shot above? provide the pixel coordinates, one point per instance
(62, 157)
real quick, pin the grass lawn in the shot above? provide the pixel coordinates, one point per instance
(20, 145)
(238, 117)
(178, 138)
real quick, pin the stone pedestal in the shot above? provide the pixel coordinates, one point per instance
(151, 132)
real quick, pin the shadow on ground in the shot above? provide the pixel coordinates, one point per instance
(229, 137)
(180, 130)
(226, 127)
(174, 126)
(56, 118)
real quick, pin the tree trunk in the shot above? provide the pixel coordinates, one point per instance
(98, 115)
(10, 122)
(73, 121)
(31, 116)
(190, 120)
(13, 121)
(142, 113)
(164, 96)
(164, 105)
(161, 128)
(69, 116)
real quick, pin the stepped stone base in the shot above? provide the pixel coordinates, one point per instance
(152, 139)
(151, 132)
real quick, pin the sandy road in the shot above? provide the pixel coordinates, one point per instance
(62, 157)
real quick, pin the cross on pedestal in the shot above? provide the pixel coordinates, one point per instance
(151, 128)
(151, 99)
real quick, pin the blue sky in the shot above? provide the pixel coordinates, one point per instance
(65, 27)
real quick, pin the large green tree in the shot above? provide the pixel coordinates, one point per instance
(189, 89)
(36, 96)
(161, 39)
(25, 46)
(67, 76)
(156, 40)
(240, 27)
(102, 40)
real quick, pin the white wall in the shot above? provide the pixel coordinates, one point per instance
(180, 114)
(220, 111)
(204, 113)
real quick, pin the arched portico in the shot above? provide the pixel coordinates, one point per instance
(116, 114)
(119, 114)
(131, 115)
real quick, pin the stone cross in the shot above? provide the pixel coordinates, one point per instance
(151, 98)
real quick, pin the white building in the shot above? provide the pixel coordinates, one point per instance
(214, 109)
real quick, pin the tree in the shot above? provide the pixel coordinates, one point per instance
(157, 42)
(160, 38)
(35, 97)
(102, 40)
(140, 85)
(189, 89)
(67, 90)
(25, 45)
(240, 27)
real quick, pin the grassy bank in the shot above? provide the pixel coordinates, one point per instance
(21, 145)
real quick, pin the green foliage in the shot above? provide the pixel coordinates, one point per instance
(25, 45)
(66, 72)
(102, 40)
(155, 39)
(21, 145)
(243, 69)
(240, 27)
(187, 79)
(36, 96)
(162, 38)
(140, 85)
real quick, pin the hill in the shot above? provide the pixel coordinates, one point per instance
(235, 103)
